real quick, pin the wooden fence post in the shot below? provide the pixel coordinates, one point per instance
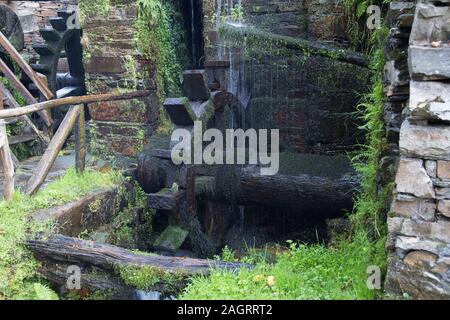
(5, 159)
(80, 141)
(54, 147)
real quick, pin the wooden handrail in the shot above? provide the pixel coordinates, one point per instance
(24, 91)
(13, 104)
(40, 84)
(45, 105)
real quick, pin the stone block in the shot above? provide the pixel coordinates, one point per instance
(439, 231)
(428, 63)
(431, 168)
(412, 178)
(415, 208)
(431, 142)
(171, 238)
(132, 111)
(442, 193)
(430, 100)
(28, 21)
(405, 244)
(444, 208)
(431, 23)
(443, 169)
(105, 65)
(116, 138)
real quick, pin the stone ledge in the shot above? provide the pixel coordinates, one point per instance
(87, 213)
(428, 63)
(430, 100)
(428, 142)
(405, 244)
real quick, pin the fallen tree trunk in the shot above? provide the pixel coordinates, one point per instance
(59, 248)
(58, 252)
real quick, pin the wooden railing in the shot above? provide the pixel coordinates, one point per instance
(73, 118)
(39, 80)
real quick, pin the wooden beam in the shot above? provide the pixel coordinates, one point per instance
(13, 103)
(312, 47)
(51, 153)
(72, 101)
(80, 141)
(38, 81)
(24, 91)
(6, 160)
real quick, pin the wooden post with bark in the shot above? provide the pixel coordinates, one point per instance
(53, 149)
(80, 141)
(5, 159)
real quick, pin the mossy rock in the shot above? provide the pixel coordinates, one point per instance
(171, 238)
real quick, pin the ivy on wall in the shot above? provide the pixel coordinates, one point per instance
(155, 40)
(160, 39)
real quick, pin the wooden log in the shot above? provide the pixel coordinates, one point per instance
(13, 104)
(62, 249)
(312, 47)
(38, 81)
(80, 141)
(51, 153)
(6, 160)
(323, 184)
(24, 91)
(9, 113)
(329, 196)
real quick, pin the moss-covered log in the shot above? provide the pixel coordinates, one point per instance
(112, 267)
(309, 47)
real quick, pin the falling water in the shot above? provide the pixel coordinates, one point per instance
(194, 49)
(241, 217)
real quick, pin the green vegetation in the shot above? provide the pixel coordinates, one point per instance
(18, 269)
(127, 228)
(370, 212)
(98, 8)
(303, 272)
(146, 278)
(155, 37)
(319, 272)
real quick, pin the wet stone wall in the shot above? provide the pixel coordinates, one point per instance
(419, 221)
(113, 64)
(310, 99)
